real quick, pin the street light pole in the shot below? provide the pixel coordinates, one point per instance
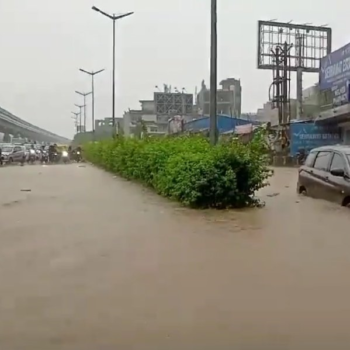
(113, 18)
(76, 120)
(213, 75)
(92, 74)
(80, 107)
(84, 95)
(113, 89)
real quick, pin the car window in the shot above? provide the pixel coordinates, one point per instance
(17, 149)
(337, 162)
(322, 160)
(310, 160)
(7, 149)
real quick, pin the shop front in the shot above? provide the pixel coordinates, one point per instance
(335, 77)
(337, 117)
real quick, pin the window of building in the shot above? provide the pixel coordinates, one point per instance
(322, 160)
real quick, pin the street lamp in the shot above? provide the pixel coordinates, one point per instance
(213, 75)
(80, 107)
(76, 119)
(113, 18)
(92, 74)
(84, 95)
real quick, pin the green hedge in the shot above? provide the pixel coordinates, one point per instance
(187, 168)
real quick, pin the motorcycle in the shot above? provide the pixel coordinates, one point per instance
(301, 157)
(78, 157)
(38, 154)
(53, 157)
(65, 157)
(44, 157)
(32, 156)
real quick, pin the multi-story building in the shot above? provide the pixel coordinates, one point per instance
(155, 114)
(229, 98)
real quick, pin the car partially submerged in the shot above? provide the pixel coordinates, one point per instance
(326, 174)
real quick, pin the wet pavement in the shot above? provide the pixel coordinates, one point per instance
(90, 261)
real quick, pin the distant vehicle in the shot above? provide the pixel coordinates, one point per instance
(44, 158)
(32, 157)
(77, 156)
(326, 174)
(13, 154)
(65, 157)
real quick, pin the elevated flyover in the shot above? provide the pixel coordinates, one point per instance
(10, 124)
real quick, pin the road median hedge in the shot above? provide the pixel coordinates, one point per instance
(187, 168)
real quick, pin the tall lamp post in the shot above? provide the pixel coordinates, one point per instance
(213, 75)
(80, 108)
(92, 74)
(113, 18)
(76, 120)
(84, 95)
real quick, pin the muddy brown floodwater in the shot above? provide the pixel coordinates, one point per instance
(92, 262)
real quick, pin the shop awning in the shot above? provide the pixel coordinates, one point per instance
(334, 115)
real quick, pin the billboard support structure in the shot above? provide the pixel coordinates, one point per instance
(307, 45)
(300, 64)
(281, 82)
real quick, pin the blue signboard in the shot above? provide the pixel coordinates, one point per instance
(306, 136)
(335, 74)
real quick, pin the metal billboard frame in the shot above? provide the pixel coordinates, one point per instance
(170, 103)
(316, 42)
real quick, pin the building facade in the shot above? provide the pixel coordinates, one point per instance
(155, 115)
(335, 83)
(229, 98)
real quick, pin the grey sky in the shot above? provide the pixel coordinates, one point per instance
(44, 42)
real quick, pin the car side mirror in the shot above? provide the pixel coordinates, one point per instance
(338, 172)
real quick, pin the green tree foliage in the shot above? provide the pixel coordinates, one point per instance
(187, 168)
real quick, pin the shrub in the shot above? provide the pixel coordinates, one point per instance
(187, 168)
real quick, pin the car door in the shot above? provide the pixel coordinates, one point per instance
(306, 172)
(17, 153)
(320, 187)
(338, 184)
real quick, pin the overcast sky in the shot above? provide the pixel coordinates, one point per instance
(44, 42)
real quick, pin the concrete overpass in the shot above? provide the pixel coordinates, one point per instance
(10, 124)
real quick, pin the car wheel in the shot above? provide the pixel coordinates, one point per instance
(10, 161)
(302, 190)
(346, 202)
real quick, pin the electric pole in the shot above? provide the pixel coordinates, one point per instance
(213, 75)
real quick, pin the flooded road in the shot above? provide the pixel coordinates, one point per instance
(89, 261)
